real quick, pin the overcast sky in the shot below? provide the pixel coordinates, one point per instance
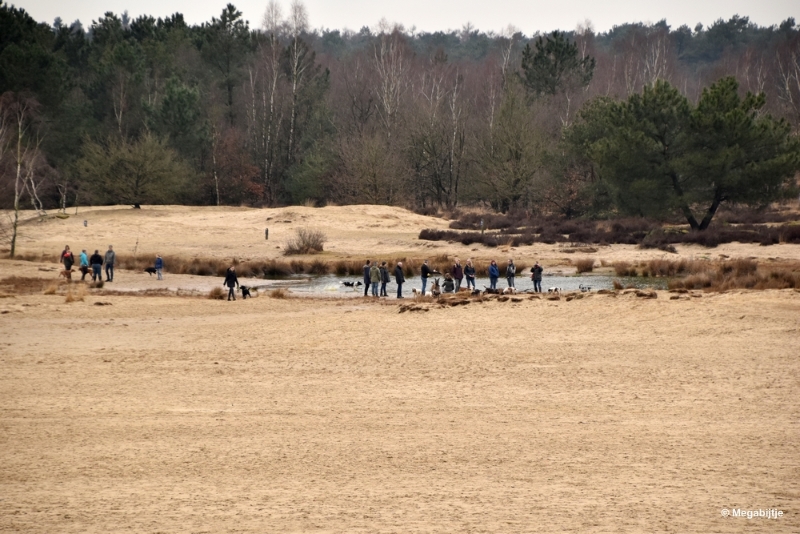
(529, 16)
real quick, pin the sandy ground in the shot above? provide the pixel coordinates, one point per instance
(179, 414)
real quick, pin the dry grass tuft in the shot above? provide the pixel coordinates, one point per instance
(624, 268)
(278, 294)
(306, 241)
(740, 274)
(584, 265)
(76, 296)
(51, 289)
(216, 293)
(617, 284)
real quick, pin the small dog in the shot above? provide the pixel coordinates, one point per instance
(349, 284)
(475, 292)
(245, 292)
(490, 291)
(554, 290)
(66, 274)
(510, 291)
(584, 288)
(150, 270)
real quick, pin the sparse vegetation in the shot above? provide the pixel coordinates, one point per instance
(216, 293)
(584, 265)
(306, 241)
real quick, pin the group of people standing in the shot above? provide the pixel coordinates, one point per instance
(93, 263)
(377, 276)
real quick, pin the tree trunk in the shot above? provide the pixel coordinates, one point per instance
(687, 212)
(718, 199)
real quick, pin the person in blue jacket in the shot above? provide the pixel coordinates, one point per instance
(494, 274)
(159, 266)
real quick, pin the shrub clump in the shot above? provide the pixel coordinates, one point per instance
(584, 265)
(216, 293)
(306, 241)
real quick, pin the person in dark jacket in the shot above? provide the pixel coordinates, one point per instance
(110, 259)
(469, 273)
(399, 278)
(384, 278)
(494, 274)
(67, 258)
(448, 286)
(426, 272)
(457, 272)
(367, 283)
(231, 280)
(96, 261)
(511, 272)
(536, 276)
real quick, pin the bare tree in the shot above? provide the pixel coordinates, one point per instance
(392, 67)
(299, 52)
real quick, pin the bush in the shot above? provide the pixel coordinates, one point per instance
(306, 241)
(624, 268)
(584, 265)
(216, 293)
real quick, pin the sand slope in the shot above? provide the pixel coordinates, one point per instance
(598, 415)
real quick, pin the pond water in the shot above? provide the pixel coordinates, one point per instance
(332, 285)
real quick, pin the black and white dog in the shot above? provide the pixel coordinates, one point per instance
(245, 292)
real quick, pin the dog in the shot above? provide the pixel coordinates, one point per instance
(245, 292)
(67, 275)
(490, 291)
(416, 292)
(475, 292)
(150, 270)
(584, 288)
(436, 290)
(349, 284)
(510, 291)
(554, 290)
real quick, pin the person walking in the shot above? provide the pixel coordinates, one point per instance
(231, 281)
(375, 278)
(399, 278)
(426, 272)
(457, 272)
(511, 272)
(159, 266)
(67, 258)
(469, 274)
(84, 265)
(494, 274)
(384, 278)
(96, 262)
(536, 276)
(367, 282)
(109, 260)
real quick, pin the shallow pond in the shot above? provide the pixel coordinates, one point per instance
(332, 285)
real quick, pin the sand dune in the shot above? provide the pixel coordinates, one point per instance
(179, 414)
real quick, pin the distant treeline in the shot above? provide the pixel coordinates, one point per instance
(641, 120)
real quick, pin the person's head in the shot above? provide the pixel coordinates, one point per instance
(66, 247)
(399, 263)
(469, 261)
(457, 261)
(96, 251)
(493, 262)
(383, 264)
(425, 262)
(447, 276)
(510, 261)
(83, 250)
(368, 262)
(110, 247)
(158, 255)
(536, 264)
(232, 268)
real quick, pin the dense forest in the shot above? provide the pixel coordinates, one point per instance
(640, 120)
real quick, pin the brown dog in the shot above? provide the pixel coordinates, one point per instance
(66, 274)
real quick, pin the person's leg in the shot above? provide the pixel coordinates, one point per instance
(458, 285)
(366, 289)
(158, 272)
(424, 285)
(399, 291)
(511, 281)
